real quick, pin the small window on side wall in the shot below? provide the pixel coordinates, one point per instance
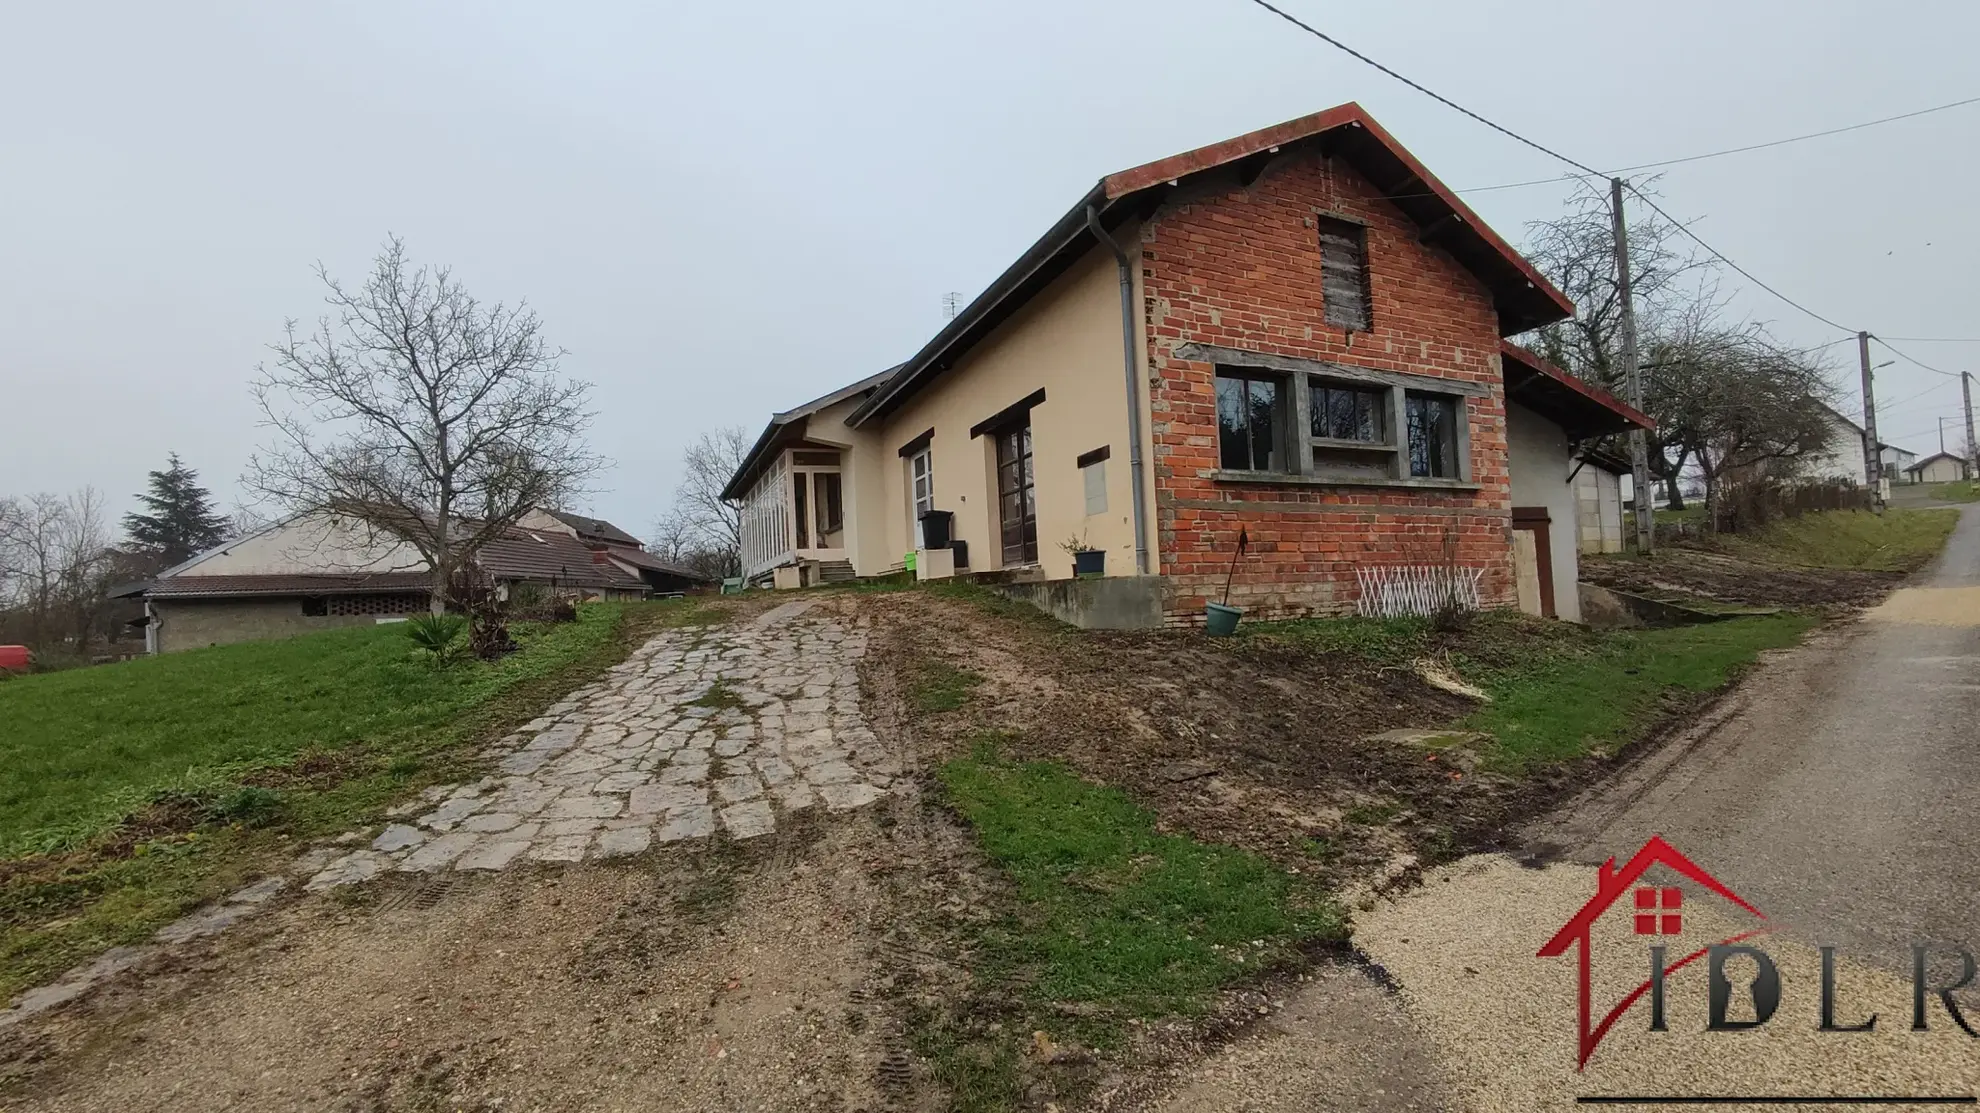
(1433, 441)
(1248, 420)
(1344, 273)
(1093, 479)
(315, 606)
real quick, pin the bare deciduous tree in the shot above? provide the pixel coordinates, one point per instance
(703, 530)
(425, 414)
(57, 559)
(1725, 394)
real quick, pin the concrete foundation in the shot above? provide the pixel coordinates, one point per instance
(1102, 603)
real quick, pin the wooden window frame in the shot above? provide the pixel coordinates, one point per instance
(1302, 457)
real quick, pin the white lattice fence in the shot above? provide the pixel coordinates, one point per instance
(1418, 589)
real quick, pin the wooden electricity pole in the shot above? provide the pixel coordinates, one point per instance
(1873, 456)
(1639, 444)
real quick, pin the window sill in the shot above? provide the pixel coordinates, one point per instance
(1286, 479)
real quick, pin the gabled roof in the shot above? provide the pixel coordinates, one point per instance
(1922, 464)
(640, 558)
(595, 528)
(528, 554)
(788, 428)
(1523, 296)
(1579, 407)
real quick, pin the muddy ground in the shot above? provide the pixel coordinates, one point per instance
(1261, 743)
(1676, 573)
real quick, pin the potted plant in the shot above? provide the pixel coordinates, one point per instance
(1088, 561)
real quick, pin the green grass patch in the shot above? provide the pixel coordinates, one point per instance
(1112, 917)
(139, 790)
(1894, 541)
(86, 747)
(1383, 640)
(939, 686)
(1964, 490)
(1597, 693)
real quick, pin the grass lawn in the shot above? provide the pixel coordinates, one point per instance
(1894, 541)
(1964, 490)
(1113, 920)
(1571, 699)
(1558, 690)
(135, 791)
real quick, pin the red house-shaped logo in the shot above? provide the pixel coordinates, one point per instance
(1653, 911)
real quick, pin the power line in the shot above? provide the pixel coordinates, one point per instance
(1799, 138)
(1446, 101)
(1582, 166)
(1937, 339)
(1914, 362)
(1911, 397)
(1735, 151)
(1721, 257)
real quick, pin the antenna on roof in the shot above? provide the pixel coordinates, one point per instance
(952, 303)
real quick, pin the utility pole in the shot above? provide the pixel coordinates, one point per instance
(1966, 397)
(1873, 456)
(1639, 443)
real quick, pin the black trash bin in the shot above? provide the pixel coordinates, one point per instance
(935, 526)
(961, 549)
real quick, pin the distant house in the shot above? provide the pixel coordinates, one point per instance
(1294, 337)
(1939, 467)
(620, 547)
(1841, 456)
(317, 571)
(1897, 463)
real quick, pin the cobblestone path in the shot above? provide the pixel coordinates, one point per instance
(701, 729)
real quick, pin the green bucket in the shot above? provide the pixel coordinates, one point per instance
(1220, 621)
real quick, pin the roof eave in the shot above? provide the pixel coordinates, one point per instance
(929, 360)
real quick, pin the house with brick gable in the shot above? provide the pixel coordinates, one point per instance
(1297, 336)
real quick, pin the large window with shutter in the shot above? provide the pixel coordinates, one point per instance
(1344, 273)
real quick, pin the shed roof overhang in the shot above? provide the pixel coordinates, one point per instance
(1584, 411)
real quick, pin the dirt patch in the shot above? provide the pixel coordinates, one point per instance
(1676, 575)
(1251, 743)
(673, 983)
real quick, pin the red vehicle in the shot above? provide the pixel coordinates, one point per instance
(15, 658)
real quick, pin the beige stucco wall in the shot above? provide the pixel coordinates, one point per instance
(306, 545)
(196, 624)
(1942, 470)
(1539, 459)
(1067, 341)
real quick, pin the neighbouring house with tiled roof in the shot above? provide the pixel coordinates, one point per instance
(1296, 337)
(317, 571)
(621, 548)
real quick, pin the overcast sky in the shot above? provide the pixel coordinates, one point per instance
(726, 209)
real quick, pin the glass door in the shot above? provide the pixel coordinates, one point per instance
(921, 478)
(1017, 508)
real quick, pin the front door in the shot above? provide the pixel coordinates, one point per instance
(1017, 508)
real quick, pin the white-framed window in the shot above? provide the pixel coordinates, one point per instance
(921, 486)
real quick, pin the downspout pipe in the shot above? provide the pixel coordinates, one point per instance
(1132, 373)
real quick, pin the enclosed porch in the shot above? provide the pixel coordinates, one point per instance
(794, 516)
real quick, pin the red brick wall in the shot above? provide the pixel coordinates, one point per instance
(1240, 268)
